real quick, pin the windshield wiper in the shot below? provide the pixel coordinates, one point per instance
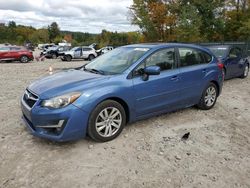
(94, 71)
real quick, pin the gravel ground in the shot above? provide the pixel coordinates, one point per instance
(148, 153)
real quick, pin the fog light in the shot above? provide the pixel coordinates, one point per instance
(58, 126)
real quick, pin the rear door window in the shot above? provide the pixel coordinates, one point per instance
(86, 49)
(190, 57)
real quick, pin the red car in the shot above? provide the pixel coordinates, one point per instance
(15, 53)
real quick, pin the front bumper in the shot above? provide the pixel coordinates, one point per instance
(65, 124)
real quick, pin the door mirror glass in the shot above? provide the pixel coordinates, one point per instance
(152, 70)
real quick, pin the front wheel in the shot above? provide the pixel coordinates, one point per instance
(54, 56)
(106, 121)
(246, 71)
(24, 59)
(68, 58)
(209, 97)
(91, 57)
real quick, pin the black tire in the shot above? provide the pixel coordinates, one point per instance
(24, 59)
(95, 116)
(68, 58)
(203, 104)
(54, 56)
(224, 73)
(246, 71)
(91, 57)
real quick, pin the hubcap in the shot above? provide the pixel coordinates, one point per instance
(210, 96)
(108, 122)
(246, 71)
(24, 59)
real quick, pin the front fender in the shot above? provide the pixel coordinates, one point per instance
(92, 97)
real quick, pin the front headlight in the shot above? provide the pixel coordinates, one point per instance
(61, 101)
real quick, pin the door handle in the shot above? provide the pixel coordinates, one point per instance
(174, 78)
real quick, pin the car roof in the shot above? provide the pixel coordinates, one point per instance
(218, 46)
(161, 45)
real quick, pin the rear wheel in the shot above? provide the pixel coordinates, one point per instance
(209, 97)
(24, 59)
(246, 71)
(106, 121)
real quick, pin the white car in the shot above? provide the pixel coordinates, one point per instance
(82, 52)
(104, 50)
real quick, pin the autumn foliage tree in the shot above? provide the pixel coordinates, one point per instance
(154, 18)
(192, 20)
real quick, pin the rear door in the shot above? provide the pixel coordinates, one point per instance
(159, 92)
(194, 66)
(86, 52)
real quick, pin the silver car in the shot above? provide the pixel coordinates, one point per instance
(81, 52)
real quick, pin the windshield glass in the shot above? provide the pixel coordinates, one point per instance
(218, 51)
(117, 61)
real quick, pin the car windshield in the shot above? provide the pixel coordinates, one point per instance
(219, 51)
(116, 61)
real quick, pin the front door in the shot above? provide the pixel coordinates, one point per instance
(233, 62)
(159, 92)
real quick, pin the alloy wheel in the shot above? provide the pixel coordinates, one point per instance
(24, 59)
(108, 122)
(210, 96)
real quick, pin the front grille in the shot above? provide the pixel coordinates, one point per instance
(30, 98)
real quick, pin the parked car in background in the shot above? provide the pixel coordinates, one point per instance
(45, 46)
(55, 52)
(235, 61)
(125, 85)
(15, 53)
(104, 50)
(82, 52)
(29, 46)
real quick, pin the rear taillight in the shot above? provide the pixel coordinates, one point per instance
(220, 64)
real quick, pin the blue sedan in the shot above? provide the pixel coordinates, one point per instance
(234, 60)
(125, 85)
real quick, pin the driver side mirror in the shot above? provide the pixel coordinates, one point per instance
(151, 70)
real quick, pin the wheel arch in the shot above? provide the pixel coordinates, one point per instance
(123, 103)
(217, 85)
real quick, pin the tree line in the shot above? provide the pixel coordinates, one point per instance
(192, 20)
(20, 34)
(158, 20)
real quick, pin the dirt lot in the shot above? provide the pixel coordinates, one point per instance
(148, 153)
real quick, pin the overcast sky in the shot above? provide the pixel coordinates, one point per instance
(74, 15)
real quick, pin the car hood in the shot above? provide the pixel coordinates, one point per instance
(65, 82)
